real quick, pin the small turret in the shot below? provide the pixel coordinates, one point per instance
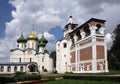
(32, 36)
(21, 39)
(32, 40)
(21, 42)
(42, 43)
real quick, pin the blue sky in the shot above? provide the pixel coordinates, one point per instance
(18, 16)
(5, 15)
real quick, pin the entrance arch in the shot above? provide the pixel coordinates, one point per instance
(33, 67)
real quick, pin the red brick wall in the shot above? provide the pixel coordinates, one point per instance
(86, 53)
(100, 52)
(73, 67)
(73, 57)
(100, 40)
(85, 42)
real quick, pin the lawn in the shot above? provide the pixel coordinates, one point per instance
(67, 81)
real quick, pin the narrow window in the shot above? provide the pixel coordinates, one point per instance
(32, 44)
(2, 69)
(8, 69)
(64, 45)
(21, 68)
(15, 68)
(30, 59)
(42, 67)
(101, 66)
(65, 56)
(43, 59)
(20, 60)
(88, 67)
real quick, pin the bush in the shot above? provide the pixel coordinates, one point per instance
(69, 72)
(19, 73)
(19, 77)
(96, 78)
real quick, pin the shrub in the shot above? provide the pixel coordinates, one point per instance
(96, 78)
(69, 72)
(21, 77)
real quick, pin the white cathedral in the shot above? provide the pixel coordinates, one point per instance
(29, 56)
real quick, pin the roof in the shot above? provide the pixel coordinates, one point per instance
(32, 36)
(43, 39)
(21, 39)
(41, 43)
(17, 63)
(22, 50)
(92, 19)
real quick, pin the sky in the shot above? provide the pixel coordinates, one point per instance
(50, 17)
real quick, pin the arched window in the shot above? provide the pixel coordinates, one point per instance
(101, 66)
(32, 44)
(30, 59)
(86, 30)
(20, 60)
(15, 68)
(2, 69)
(98, 27)
(21, 68)
(64, 45)
(8, 69)
(43, 59)
(88, 67)
(78, 35)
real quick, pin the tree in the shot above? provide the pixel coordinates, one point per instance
(114, 53)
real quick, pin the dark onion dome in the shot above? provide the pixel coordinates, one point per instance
(21, 39)
(43, 39)
(41, 43)
(32, 36)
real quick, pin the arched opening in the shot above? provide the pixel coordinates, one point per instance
(86, 30)
(71, 37)
(15, 69)
(98, 27)
(2, 69)
(78, 35)
(21, 68)
(8, 69)
(33, 67)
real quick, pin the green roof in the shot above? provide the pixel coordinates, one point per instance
(43, 39)
(21, 39)
(41, 43)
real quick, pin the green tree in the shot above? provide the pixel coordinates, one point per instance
(114, 53)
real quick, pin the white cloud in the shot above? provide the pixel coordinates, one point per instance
(108, 40)
(45, 14)
(48, 36)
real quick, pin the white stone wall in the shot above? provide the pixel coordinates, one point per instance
(32, 44)
(46, 61)
(63, 57)
(5, 70)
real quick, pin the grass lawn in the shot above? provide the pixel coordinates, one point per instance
(67, 81)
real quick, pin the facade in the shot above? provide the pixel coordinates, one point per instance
(83, 48)
(29, 56)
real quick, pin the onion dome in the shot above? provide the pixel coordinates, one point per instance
(41, 43)
(21, 39)
(43, 39)
(32, 36)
